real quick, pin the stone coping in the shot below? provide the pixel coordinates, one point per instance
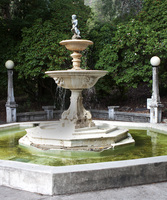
(132, 113)
(86, 177)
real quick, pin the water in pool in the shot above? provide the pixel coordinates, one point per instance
(148, 144)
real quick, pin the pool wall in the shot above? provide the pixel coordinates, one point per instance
(82, 178)
(88, 177)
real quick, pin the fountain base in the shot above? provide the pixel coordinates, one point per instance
(98, 138)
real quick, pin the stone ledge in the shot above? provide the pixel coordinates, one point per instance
(82, 178)
(101, 114)
(110, 175)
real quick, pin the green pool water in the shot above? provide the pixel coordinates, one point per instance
(148, 144)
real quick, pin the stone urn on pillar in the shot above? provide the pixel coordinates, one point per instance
(155, 105)
(10, 104)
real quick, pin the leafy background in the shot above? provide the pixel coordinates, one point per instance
(126, 34)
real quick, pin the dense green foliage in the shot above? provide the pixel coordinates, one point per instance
(126, 34)
(134, 42)
(15, 15)
(31, 34)
(39, 50)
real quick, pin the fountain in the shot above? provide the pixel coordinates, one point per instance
(76, 130)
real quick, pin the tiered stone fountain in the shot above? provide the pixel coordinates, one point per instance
(76, 130)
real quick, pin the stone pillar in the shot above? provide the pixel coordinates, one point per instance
(111, 112)
(76, 113)
(155, 105)
(10, 104)
(49, 111)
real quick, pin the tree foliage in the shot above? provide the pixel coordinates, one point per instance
(108, 10)
(101, 35)
(39, 50)
(113, 9)
(30, 34)
(15, 15)
(127, 57)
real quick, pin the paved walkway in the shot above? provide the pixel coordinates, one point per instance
(156, 191)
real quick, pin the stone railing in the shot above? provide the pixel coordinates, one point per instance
(31, 116)
(110, 114)
(99, 114)
(132, 117)
(38, 116)
(121, 116)
(127, 116)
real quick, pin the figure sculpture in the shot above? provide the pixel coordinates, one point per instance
(75, 29)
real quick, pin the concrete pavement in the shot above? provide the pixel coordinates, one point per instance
(143, 192)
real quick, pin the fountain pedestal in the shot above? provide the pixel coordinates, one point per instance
(76, 81)
(76, 113)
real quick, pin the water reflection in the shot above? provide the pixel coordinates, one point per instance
(154, 137)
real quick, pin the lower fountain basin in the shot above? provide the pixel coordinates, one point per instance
(85, 177)
(148, 143)
(97, 138)
(76, 79)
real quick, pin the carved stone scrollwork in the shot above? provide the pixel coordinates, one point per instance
(88, 81)
(59, 81)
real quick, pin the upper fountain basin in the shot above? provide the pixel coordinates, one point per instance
(76, 79)
(76, 45)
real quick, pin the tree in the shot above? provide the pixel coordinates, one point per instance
(108, 10)
(30, 32)
(101, 35)
(127, 56)
(40, 51)
(14, 15)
